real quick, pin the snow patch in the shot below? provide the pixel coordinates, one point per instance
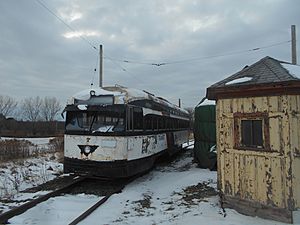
(121, 95)
(208, 102)
(82, 107)
(58, 210)
(20, 175)
(294, 70)
(239, 80)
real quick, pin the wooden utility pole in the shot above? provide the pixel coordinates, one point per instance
(294, 51)
(179, 103)
(101, 67)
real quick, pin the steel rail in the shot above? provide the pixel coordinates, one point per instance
(4, 217)
(102, 200)
(93, 208)
(24, 207)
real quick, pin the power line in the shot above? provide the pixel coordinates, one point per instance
(157, 64)
(198, 58)
(95, 70)
(229, 53)
(67, 25)
(82, 37)
(124, 70)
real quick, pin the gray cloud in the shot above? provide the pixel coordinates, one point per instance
(37, 59)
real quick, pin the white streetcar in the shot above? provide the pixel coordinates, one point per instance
(119, 132)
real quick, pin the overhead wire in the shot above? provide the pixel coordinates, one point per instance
(67, 25)
(41, 3)
(228, 54)
(163, 63)
(153, 63)
(124, 70)
(84, 39)
(95, 70)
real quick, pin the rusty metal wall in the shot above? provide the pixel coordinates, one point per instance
(267, 177)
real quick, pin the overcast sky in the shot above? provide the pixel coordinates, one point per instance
(40, 55)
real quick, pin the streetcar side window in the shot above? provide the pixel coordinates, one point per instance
(138, 119)
(134, 118)
(147, 123)
(154, 122)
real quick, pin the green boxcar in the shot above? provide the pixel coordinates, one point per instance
(205, 134)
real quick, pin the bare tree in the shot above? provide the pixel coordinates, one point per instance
(31, 108)
(50, 108)
(7, 105)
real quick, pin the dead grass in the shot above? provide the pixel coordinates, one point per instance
(20, 149)
(194, 194)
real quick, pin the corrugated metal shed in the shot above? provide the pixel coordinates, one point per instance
(258, 140)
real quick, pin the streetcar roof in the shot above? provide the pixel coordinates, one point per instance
(122, 95)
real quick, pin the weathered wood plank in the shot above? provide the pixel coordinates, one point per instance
(228, 174)
(253, 208)
(267, 178)
(261, 184)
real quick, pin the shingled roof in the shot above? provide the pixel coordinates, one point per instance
(264, 74)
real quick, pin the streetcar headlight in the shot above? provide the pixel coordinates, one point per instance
(92, 93)
(87, 149)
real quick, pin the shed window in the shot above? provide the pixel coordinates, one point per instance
(251, 131)
(252, 134)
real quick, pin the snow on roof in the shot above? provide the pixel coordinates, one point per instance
(86, 94)
(208, 102)
(121, 95)
(239, 80)
(135, 93)
(294, 70)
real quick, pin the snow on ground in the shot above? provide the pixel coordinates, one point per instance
(178, 193)
(21, 174)
(58, 210)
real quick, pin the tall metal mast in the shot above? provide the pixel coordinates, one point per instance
(101, 67)
(294, 51)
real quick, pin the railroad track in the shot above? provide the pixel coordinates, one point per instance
(117, 187)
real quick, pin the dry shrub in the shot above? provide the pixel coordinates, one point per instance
(19, 149)
(14, 149)
(57, 144)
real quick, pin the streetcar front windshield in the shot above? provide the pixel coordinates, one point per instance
(96, 121)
